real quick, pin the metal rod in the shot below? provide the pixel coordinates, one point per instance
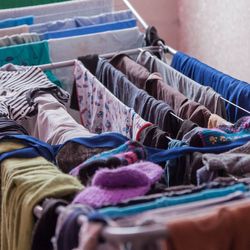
(69, 63)
(137, 15)
(235, 105)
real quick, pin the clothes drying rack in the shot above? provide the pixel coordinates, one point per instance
(123, 234)
(165, 48)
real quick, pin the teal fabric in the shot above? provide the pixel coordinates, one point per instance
(28, 54)
(21, 3)
(116, 212)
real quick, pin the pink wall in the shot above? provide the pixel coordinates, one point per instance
(217, 32)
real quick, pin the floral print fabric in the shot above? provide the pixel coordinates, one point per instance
(100, 110)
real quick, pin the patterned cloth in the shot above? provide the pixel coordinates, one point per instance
(128, 153)
(221, 135)
(19, 86)
(100, 110)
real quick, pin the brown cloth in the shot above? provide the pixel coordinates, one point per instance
(72, 154)
(154, 85)
(224, 228)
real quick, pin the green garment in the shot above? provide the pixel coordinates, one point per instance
(28, 54)
(21, 3)
(25, 183)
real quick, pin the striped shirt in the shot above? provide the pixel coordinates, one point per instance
(19, 85)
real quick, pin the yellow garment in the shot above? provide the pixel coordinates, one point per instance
(215, 121)
(25, 183)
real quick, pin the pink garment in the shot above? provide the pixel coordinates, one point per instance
(53, 124)
(100, 110)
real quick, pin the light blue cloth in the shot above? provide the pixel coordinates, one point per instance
(104, 18)
(11, 22)
(130, 23)
(115, 212)
(80, 21)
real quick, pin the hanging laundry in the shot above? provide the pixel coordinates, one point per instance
(236, 91)
(147, 107)
(52, 123)
(92, 29)
(110, 186)
(223, 134)
(42, 234)
(192, 90)
(128, 153)
(15, 3)
(11, 22)
(97, 106)
(18, 91)
(153, 136)
(81, 21)
(19, 39)
(38, 179)
(67, 229)
(77, 150)
(234, 162)
(154, 85)
(14, 30)
(88, 7)
(28, 54)
(209, 228)
(176, 191)
(105, 42)
(115, 212)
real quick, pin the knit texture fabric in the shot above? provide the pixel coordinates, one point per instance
(111, 186)
(126, 154)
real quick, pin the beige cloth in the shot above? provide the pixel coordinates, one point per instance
(14, 30)
(19, 39)
(53, 124)
(215, 121)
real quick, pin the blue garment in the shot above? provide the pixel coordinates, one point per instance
(158, 156)
(130, 23)
(104, 18)
(34, 148)
(11, 22)
(174, 169)
(230, 88)
(104, 140)
(116, 212)
(71, 23)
